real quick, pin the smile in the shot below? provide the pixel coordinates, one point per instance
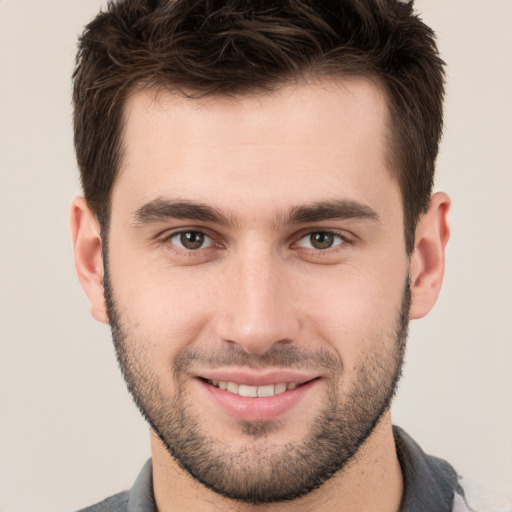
(253, 391)
(258, 397)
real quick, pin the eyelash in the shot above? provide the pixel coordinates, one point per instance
(335, 234)
(168, 237)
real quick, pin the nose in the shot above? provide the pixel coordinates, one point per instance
(256, 308)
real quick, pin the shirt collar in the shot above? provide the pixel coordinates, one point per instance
(429, 482)
(141, 498)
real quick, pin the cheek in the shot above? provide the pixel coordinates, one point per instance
(353, 309)
(166, 309)
(160, 319)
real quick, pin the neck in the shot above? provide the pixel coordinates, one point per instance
(371, 481)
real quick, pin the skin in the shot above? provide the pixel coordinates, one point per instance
(255, 159)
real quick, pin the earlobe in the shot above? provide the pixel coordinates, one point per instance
(87, 246)
(428, 258)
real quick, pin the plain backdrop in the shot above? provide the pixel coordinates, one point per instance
(69, 433)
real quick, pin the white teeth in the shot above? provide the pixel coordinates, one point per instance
(244, 390)
(253, 391)
(266, 390)
(232, 387)
(279, 388)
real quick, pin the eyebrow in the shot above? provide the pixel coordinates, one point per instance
(160, 210)
(332, 210)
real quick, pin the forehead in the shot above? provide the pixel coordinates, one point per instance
(307, 139)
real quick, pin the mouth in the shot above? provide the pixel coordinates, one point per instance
(258, 396)
(245, 390)
(266, 400)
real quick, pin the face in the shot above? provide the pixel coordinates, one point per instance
(257, 281)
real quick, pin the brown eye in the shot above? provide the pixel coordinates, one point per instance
(320, 240)
(191, 240)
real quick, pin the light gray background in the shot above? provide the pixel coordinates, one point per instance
(69, 434)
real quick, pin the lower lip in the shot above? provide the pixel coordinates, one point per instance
(261, 408)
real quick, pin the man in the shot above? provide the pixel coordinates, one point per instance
(258, 227)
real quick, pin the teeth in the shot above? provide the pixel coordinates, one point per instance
(244, 390)
(266, 390)
(232, 387)
(279, 388)
(253, 391)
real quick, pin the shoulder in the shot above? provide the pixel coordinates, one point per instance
(116, 503)
(478, 498)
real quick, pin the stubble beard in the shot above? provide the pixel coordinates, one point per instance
(264, 471)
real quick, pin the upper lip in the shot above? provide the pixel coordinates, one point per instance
(257, 378)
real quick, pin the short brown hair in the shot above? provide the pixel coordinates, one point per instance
(206, 47)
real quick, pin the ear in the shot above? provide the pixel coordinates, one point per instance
(85, 233)
(428, 258)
